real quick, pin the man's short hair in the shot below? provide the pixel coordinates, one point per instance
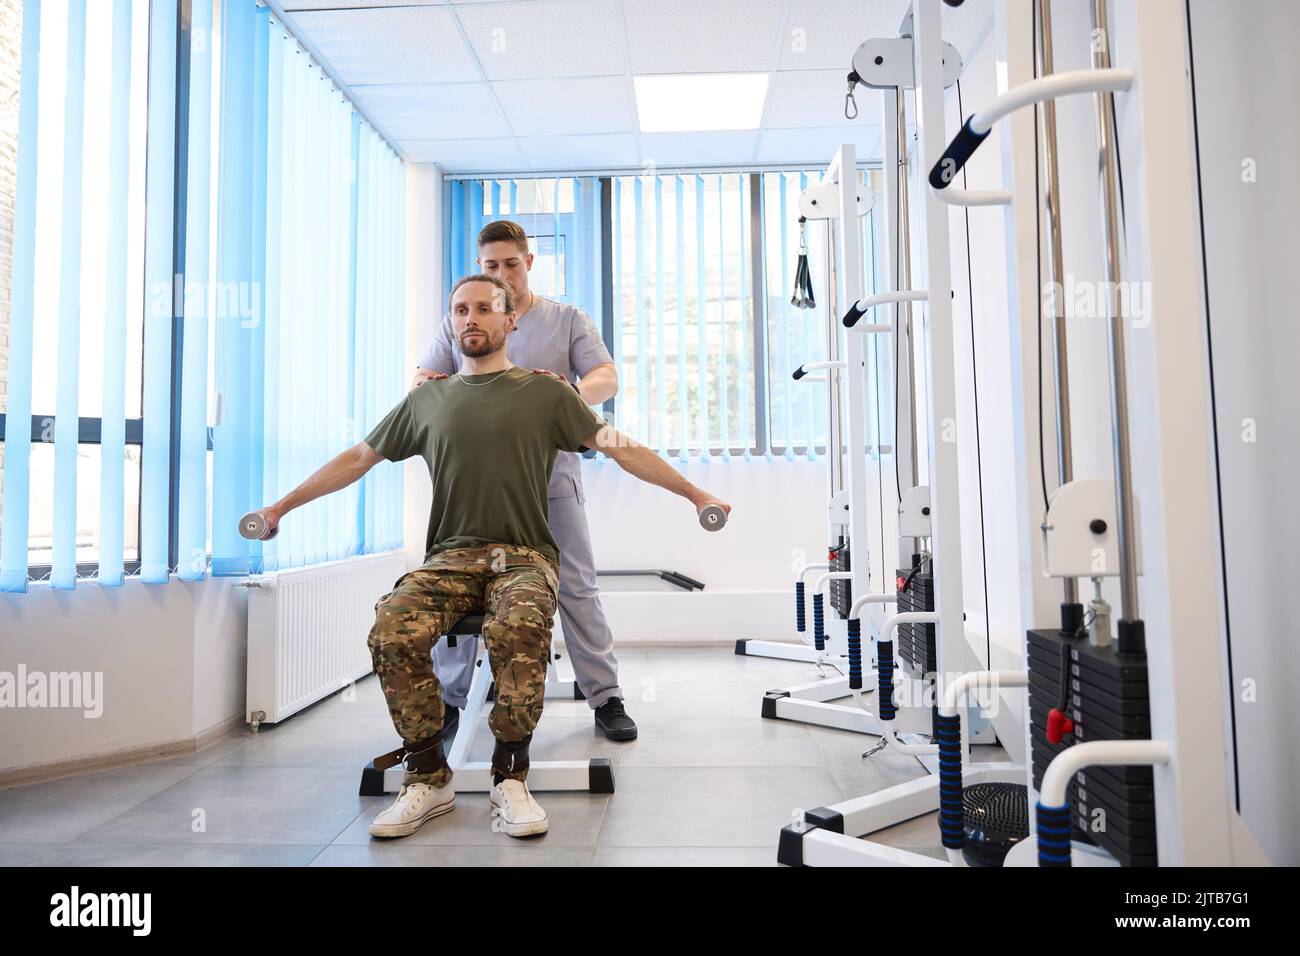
(507, 297)
(503, 230)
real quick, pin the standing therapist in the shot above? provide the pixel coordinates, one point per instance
(558, 339)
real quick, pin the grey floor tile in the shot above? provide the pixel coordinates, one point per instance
(365, 698)
(711, 664)
(575, 821)
(697, 741)
(531, 852)
(707, 806)
(172, 854)
(311, 741)
(685, 856)
(62, 810)
(243, 805)
(22, 854)
(215, 752)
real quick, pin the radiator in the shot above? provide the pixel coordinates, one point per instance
(307, 631)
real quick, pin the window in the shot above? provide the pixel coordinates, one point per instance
(697, 314)
(196, 279)
(72, 428)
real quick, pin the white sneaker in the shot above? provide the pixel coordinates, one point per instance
(415, 803)
(514, 810)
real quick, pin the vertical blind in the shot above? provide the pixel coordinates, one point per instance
(561, 217)
(311, 223)
(704, 334)
(72, 455)
(700, 327)
(166, 376)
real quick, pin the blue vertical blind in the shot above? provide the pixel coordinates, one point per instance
(89, 119)
(311, 223)
(561, 217)
(705, 348)
(163, 380)
(684, 314)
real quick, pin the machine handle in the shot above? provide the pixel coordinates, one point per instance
(961, 148)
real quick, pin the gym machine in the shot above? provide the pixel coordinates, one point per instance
(1118, 728)
(934, 647)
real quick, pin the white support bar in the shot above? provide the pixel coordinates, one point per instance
(1049, 88)
(1096, 753)
(972, 197)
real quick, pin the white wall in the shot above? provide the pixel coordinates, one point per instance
(171, 658)
(1246, 79)
(779, 521)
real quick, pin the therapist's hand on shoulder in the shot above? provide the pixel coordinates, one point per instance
(547, 371)
(423, 375)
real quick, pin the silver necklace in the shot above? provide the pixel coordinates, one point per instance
(461, 376)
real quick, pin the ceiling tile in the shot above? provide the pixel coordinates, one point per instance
(568, 105)
(467, 155)
(824, 34)
(434, 110)
(615, 150)
(801, 98)
(389, 45)
(815, 146)
(687, 36)
(697, 149)
(966, 25)
(543, 39)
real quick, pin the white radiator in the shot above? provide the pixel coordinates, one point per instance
(307, 631)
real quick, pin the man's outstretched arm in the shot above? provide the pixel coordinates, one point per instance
(339, 472)
(640, 462)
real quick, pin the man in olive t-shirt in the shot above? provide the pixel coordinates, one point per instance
(489, 435)
(490, 442)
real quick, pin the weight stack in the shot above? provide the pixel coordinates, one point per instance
(1107, 699)
(916, 644)
(841, 591)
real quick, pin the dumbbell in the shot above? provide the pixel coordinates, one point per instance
(712, 518)
(254, 526)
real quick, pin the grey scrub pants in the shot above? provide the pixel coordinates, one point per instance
(586, 634)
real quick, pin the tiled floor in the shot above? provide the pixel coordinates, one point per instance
(709, 782)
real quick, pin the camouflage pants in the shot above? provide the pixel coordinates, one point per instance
(514, 587)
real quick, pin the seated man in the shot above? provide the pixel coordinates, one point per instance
(489, 435)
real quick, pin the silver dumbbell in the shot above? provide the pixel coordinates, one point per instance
(255, 527)
(712, 518)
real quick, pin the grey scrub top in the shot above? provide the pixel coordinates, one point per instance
(551, 335)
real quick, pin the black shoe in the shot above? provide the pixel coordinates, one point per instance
(614, 721)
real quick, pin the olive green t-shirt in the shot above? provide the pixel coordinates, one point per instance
(490, 442)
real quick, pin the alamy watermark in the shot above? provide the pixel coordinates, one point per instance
(67, 690)
(1092, 299)
(212, 299)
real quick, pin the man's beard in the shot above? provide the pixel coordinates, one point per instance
(484, 345)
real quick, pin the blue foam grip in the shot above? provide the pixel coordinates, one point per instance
(798, 608)
(1053, 835)
(952, 822)
(819, 630)
(885, 670)
(855, 654)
